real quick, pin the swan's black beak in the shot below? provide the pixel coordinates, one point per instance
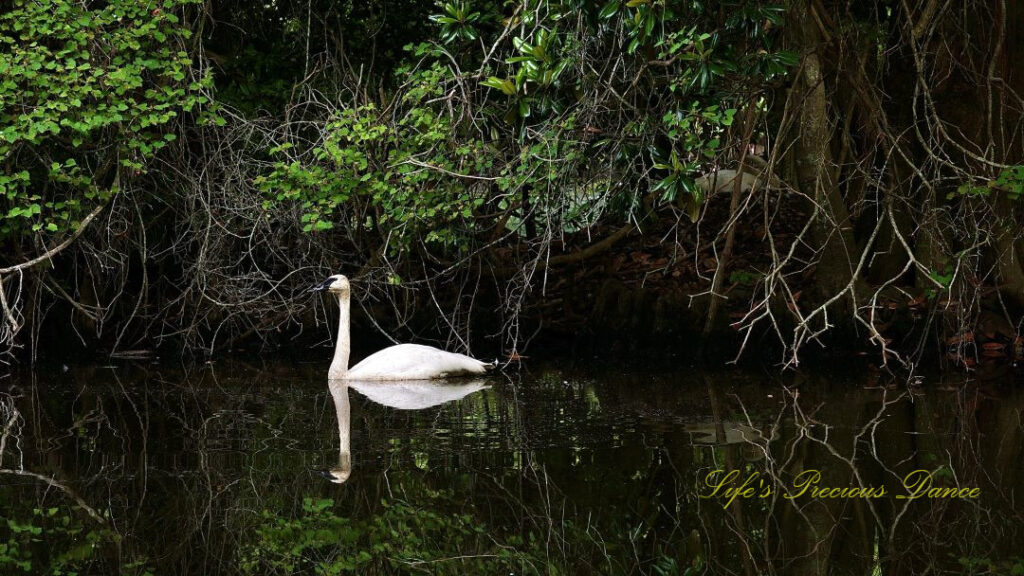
(322, 286)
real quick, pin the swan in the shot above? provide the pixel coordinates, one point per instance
(401, 362)
(403, 396)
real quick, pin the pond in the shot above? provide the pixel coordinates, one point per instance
(231, 468)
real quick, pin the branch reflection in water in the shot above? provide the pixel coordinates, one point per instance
(879, 481)
(405, 395)
(583, 472)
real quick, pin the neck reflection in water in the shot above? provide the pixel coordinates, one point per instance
(409, 395)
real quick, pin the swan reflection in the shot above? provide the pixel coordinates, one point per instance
(407, 395)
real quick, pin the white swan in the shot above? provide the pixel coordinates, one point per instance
(403, 396)
(401, 362)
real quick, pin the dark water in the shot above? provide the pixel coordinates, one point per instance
(235, 469)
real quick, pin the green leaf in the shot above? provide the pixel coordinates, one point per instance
(609, 9)
(524, 109)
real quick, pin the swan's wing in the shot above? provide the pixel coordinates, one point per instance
(414, 362)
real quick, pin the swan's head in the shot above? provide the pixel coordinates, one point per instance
(336, 284)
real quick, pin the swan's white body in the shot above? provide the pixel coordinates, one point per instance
(401, 362)
(414, 362)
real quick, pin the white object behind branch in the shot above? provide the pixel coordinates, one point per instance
(723, 181)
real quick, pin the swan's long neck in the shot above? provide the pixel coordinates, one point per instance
(339, 391)
(341, 350)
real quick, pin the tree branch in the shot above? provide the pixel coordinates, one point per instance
(58, 248)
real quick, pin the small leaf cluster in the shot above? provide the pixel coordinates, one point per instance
(458, 22)
(697, 135)
(1010, 181)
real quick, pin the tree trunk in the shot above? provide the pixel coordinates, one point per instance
(815, 168)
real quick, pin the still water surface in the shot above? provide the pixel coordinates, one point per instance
(238, 469)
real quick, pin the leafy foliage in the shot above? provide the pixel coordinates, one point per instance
(412, 170)
(696, 71)
(401, 535)
(87, 91)
(55, 541)
(402, 175)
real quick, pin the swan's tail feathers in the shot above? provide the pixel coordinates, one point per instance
(492, 366)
